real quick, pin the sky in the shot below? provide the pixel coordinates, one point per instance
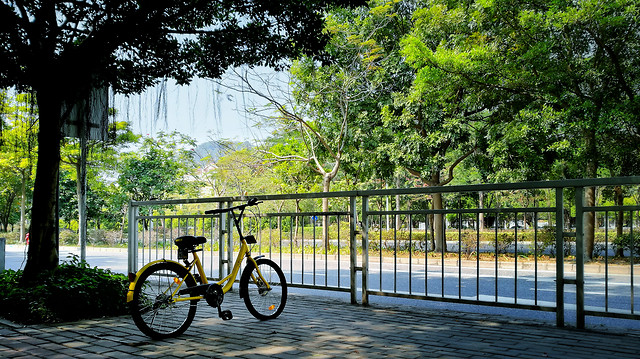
(203, 110)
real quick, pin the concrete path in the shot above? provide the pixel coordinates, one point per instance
(321, 327)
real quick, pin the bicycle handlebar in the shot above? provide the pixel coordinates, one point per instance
(251, 202)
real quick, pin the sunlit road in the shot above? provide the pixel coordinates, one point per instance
(114, 259)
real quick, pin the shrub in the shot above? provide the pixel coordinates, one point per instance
(628, 242)
(11, 237)
(70, 292)
(68, 237)
(97, 236)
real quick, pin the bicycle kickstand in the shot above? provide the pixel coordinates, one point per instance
(214, 297)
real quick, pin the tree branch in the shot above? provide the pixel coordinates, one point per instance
(455, 164)
(616, 64)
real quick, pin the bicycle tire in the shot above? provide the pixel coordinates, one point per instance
(264, 305)
(153, 310)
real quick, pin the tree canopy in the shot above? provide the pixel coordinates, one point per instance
(553, 83)
(129, 44)
(63, 50)
(159, 167)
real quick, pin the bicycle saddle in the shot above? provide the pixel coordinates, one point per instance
(189, 241)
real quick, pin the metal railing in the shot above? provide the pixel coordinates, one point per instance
(523, 248)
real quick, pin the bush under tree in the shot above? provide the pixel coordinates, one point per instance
(72, 291)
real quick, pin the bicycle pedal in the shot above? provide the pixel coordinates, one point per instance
(226, 315)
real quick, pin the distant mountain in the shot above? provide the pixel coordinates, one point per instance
(213, 150)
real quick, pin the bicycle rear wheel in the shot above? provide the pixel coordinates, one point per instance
(156, 307)
(261, 302)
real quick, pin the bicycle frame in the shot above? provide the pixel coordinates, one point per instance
(228, 280)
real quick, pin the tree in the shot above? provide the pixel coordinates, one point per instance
(430, 129)
(546, 82)
(241, 171)
(285, 157)
(63, 50)
(578, 63)
(8, 194)
(67, 198)
(324, 100)
(290, 170)
(18, 149)
(119, 136)
(160, 167)
(227, 168)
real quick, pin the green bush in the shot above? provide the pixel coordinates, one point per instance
(70, 292)
(628, 242)
(68, 237)
(11, 237)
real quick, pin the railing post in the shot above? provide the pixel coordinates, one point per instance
(559, 258)
(3, 246)
(132, 239)
(228, 223)
(579, 200)
(353, 250)
(365, 250)
(222, 231)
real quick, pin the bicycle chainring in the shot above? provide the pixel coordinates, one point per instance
(214, 295)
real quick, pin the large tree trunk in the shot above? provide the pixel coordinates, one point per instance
(438, 224)
(438, 219)
(589, 223)
(619, 201)
(43, 246)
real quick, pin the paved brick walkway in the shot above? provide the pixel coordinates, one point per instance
(324, 328)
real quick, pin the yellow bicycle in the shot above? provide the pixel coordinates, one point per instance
(164, 294)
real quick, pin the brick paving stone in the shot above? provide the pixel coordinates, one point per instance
(322, 328)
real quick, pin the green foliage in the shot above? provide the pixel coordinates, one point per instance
(68, 237)
(159, 168)
(237, 173)
(72, 291)
(104, 201)
(68, 198)
(294, 175)
(18, 129)
(517, 90)
(628, 242)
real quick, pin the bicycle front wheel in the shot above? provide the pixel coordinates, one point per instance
(157, 308)
(264, 302)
